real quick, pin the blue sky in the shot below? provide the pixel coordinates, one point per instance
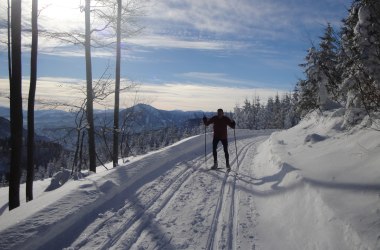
(191, 54)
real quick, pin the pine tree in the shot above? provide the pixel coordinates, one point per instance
(278, 115)
(269, 114)
(361, 59)
(259, 114)
(367, 32)
(296, 117)
(287, 112)
(308, 88)
(330, 75)
(348, 53)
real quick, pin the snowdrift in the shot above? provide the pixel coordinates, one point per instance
(314, 186)
(329, 180)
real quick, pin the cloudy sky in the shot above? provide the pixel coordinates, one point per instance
(190, 54)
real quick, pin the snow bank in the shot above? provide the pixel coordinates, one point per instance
(330, 178)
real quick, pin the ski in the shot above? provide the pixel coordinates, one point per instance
(220, 170)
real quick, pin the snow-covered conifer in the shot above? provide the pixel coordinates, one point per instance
(308, 88)
(361, 59)
(329, 72)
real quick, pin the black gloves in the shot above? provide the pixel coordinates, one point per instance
(233, 124)
(204, 119)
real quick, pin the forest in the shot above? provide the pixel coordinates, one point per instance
(341, 70)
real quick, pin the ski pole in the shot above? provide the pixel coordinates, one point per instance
(204, 122)
(237, 158)
(205, 147)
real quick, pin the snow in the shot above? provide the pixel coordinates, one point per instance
(314, 186)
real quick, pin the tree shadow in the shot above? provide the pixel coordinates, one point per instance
(106, 197)
(343, 186)
(3, 208)
(276, 178)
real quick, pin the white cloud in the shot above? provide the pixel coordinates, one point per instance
(242, 18)
(159, 41)
(194, 24)
(49, 90)
(182, 96)
(168, 96)
(215, 79)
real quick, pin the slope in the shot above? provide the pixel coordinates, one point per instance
(310, 187)
(325, 193)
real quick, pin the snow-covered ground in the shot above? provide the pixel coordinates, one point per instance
(314, 186)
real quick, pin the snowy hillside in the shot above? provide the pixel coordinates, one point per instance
(314, 186)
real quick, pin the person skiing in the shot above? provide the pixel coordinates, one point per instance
(220, 122)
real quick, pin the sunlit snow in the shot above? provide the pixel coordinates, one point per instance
(314, 186)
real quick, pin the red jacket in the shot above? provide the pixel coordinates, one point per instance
(220, 126)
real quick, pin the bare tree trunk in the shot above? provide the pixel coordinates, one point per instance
(90, 98)
(79, 118)
(9, 43)
(81, 152)
(75, 160)
(32, 92)
(15, 107)
(116, 130)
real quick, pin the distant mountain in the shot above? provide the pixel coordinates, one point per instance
(45, 150)
(146, 117)
(53, 123)
(141, 117)
(5, 130)
(46, 118)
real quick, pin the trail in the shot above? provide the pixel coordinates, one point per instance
(187, 207)
(223, 228)
(285, 193)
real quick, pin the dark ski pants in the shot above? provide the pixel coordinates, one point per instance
(215, 142)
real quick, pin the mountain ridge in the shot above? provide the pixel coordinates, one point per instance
(146, 117)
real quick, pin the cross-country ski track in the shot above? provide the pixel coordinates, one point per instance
(142, 205)
(284, 191)
(153, 217)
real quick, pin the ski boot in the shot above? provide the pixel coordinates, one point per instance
(215, 165)
(228, 166)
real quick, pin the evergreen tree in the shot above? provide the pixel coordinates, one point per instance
(278, 115)
(308, 88)
(367, 32)
(330, 75)
(256, 116)
(347, 58)
(287, 112)
(294, 101)
(269, 114)
(360, 57)
(246, 114)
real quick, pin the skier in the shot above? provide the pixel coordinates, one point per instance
(220, 122)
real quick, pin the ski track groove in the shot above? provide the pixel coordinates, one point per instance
(144, 217)
(125, 225)
(129, 232)
(233, 216)
(234, 204)
(222, 199)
